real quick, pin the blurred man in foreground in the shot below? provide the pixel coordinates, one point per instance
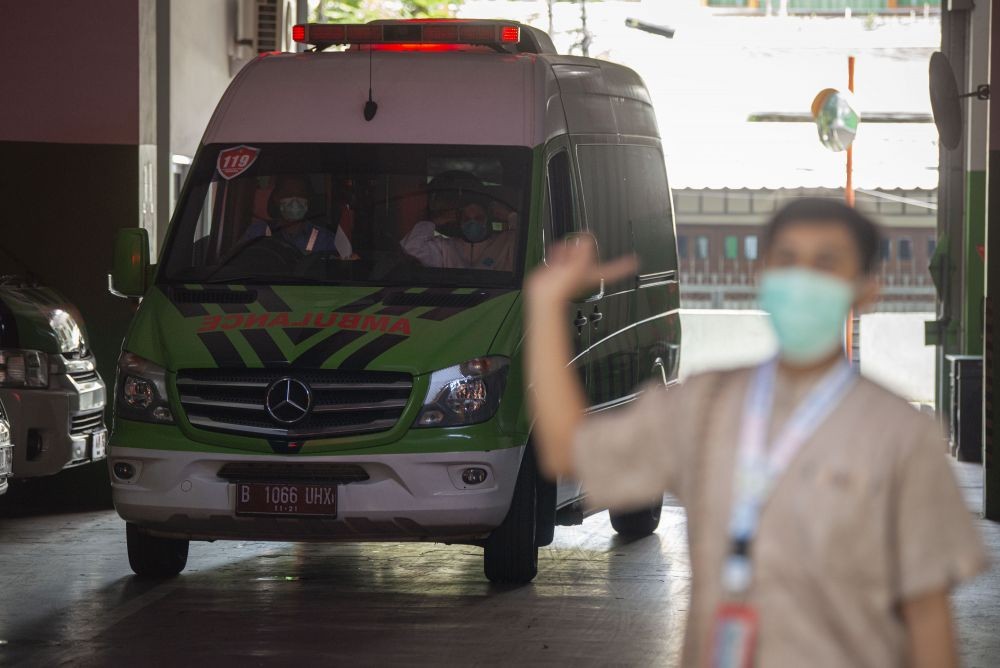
(825, 526)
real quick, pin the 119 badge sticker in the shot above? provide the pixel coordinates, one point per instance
(234, 161)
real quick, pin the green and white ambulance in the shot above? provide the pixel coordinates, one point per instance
(330, 346)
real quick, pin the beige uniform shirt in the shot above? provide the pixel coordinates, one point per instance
(866, 516)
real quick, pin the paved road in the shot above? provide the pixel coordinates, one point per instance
(68, 598)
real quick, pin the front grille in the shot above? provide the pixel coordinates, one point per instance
(86, 423)
(83, 376)
(329, 473)
(344, 402)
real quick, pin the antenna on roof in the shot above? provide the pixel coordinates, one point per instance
(371, 106)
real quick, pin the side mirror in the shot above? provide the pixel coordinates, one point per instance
(130, 264)
(586, 239)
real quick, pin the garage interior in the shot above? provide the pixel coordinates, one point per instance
(107, 103)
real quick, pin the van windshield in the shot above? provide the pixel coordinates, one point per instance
(352, 214)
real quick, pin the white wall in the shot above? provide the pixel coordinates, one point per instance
(892, 347)
(893, 354)
(722, 339)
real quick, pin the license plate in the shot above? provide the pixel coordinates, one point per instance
(261, 498)
(99, 445)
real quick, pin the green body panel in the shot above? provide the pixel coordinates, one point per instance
(162, 334)
(181, 333)
(43, 320)
(975, 266)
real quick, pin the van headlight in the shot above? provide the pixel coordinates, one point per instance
(24, 368)
(141, 393)
(466, 393)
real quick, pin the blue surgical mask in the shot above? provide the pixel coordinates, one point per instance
(475, 231)
(808, 310)
(293, 208)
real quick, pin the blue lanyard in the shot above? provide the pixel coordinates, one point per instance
(758, 467)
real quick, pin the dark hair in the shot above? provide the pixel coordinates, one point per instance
(816, 210)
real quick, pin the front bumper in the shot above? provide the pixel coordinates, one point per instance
(56, 427)
(418, 497)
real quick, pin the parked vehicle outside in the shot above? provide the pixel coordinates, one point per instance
(51, 391)
(6, 451)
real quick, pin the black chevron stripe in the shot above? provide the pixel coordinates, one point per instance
(222, 350)
(265, 347)
(369, 352)
(314, 357)
(270, 300)
(367, 301)
(299, 334)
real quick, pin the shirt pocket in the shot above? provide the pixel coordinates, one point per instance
(841, 523)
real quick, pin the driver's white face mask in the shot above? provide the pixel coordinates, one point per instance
(293, 209)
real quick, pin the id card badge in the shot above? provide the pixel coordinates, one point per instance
(734, 636)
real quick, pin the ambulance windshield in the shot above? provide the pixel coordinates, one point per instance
(352, 214)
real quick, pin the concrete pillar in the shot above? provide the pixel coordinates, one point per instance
(975, 117)
(949, 334)
(991, 440)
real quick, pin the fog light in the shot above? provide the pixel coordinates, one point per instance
(124, 470)
(431, 417)
(79, 450)
(162, 413)
(474, 476)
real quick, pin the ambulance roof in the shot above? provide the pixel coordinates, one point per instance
(452, 97)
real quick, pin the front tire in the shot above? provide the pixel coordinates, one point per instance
(638, 523)
(511, 551)
(154, 557)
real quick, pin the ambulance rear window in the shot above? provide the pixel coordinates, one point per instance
(352, 214)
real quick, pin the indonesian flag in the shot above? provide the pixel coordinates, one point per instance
(345, 224)
(342, 240)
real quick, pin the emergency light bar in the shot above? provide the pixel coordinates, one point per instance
(415, 33)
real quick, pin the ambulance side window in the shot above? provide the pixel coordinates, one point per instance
(649, 209)
(560, 198)
(602, 180)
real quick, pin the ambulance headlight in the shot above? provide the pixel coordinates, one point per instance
(464, 394)
(141, 392)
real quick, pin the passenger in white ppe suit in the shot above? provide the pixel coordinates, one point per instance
(459, 235)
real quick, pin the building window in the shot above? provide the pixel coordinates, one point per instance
(682, 246)
(701, 248)
(905, 250)
(750, 247)
(732, 248)
(884, 250)
(931, 247)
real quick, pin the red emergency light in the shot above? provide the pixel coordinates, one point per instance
(418, 35)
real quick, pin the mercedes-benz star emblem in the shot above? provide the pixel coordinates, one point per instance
(288, 400)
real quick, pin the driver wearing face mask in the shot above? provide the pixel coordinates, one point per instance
(461, 238)
(289, 207)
